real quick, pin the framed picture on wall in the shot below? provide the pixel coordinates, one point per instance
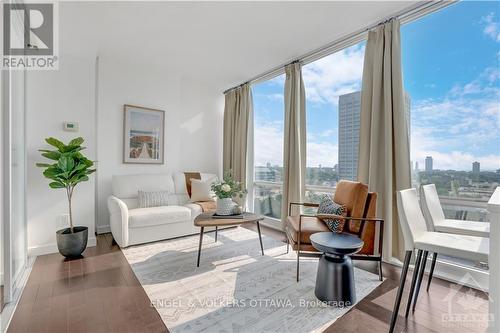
(143, 135)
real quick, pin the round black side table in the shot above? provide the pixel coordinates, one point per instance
(335, 277)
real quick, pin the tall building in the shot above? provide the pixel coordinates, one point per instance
(428, 164)
(416, 165)
(476, 167)
(349, 123)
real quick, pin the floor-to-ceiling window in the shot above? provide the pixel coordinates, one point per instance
(333, 96)
(333, 85)
(14, 228)
(269, 111)
(451, 65)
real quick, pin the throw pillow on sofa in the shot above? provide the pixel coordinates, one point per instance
(152, 199)
(328, 206)
(201, 190)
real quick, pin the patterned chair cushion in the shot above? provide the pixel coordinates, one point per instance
(328, 206)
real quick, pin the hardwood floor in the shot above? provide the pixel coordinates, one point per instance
(100, 293)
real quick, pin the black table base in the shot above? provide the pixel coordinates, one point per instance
(335, 281)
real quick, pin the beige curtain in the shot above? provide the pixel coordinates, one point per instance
(294, 150)
(384, 152)
(237, 111)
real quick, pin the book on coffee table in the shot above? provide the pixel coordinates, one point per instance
(235, 216)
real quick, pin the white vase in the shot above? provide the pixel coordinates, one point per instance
(225, 206)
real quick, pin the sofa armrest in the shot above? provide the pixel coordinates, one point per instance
(118, 220)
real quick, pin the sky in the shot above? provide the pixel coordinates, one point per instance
(451, 70)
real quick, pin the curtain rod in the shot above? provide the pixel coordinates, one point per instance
(405, 16)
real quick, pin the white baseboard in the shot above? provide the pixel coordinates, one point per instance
(103, 229)
(39, 250)
(272, 223)
(463, 275)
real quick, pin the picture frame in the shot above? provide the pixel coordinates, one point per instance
(143, 135)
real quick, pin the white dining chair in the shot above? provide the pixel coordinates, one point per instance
(417, 237)
(436, 221)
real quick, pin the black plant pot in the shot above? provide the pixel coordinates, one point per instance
(72, 244)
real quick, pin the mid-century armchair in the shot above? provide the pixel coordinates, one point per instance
(360, 220)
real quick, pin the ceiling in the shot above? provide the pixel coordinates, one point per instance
(223, 43)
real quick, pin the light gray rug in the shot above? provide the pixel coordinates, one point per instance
(235, 289)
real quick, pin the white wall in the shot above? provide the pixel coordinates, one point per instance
(52, 98)
(193, 123)
(193, 134)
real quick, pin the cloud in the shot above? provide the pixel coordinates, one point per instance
(268, 144)
(327, 133)
(324, 153)
(268, 147)
(337, 74)
(491, 28)
(462, 127)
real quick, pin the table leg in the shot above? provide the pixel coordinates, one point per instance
(199, 246)
(335, 281)
(216, 229)
(260, 238)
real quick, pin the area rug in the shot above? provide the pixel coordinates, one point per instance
(235, 289)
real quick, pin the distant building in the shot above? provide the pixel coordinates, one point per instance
(266, 173)
(416, 165)
(476, 167)
(428, 164)
(349, 123)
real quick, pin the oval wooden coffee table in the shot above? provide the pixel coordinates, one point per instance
(207, 220)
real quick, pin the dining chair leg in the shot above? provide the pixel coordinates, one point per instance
(298, 256)
(260, 238)
(420, 277)
(199, 246)
(413, 281)
(402, 281)
(216, 231)
(287, 245)
(380, 269)
(433, 264)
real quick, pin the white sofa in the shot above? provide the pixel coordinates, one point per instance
(132, 225)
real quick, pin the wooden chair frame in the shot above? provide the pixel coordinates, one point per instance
(347, 219)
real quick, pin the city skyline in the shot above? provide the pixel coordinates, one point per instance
(452, 101)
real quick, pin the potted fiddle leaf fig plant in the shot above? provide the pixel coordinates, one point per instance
(70, 168)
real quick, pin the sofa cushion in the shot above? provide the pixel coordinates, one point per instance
(201, 190)
(127, 186)
(144, 217)
(153, 199)
(194, 208)
(310, 225)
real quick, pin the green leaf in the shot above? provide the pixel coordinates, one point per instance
(71, 149)
(76, 142)
(43, 165)
(55, 143)
(66, 163)
(54, 174)
(52, 155)
(56, 185)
